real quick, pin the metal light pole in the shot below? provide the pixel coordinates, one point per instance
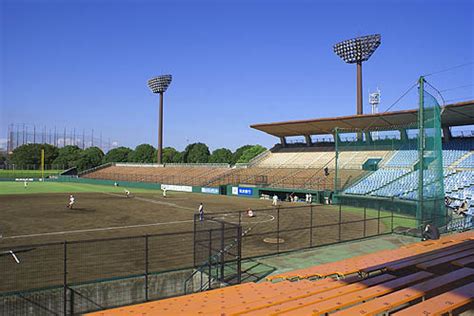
(356, 51)
(360, 109)
(159, 85)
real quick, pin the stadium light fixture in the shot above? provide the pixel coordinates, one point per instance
(159, 85)
(356, 51)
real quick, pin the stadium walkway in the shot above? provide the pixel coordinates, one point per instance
(307, 258)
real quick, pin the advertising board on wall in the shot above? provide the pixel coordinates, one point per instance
(173, 187)
(242, 191)
(210, 190)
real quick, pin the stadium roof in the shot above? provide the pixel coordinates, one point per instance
(456, 114)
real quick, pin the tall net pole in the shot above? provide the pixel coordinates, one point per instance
(42, 164)
(421, 142)
(430, 197)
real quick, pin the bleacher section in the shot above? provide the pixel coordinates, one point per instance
(376, 180)
(183, 175)
(316, 158)
(303, 168)
(397, 178)
(468, 162)
(425, 278)
(299, 169)
(309, 178)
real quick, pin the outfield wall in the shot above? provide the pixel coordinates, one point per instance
(230, 190)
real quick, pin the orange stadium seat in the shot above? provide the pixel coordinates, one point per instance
(443, 303)
(342, 301)
(410, 294)
(464, 261)
(402, 257)
(289, 303)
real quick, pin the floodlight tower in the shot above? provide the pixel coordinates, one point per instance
(159, 85)
(356, 51)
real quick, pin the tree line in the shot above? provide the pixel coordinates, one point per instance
(26, 156)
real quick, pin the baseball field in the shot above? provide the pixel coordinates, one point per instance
(104, 230)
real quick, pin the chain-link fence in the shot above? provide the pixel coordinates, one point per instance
(217, 253)
(283, 229)
(75, 277)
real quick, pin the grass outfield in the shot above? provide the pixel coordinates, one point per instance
(10, 187)
(27, 173)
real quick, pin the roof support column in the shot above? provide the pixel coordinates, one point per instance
(447, 134)
(283, 141)
(308, 140)
(368, 137)
(338, 140)
(403, 134)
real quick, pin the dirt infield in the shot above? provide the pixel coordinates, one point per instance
(43, 218)
(40, 218)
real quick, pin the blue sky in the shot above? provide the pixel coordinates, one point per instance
(85, 64)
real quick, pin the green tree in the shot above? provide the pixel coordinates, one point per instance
(196, 153)
(68, 157)
(251, 153)
(29, 156)
(119, 154)
(239, 152)
(144, 153)
(90, 158)
(221, 155)
(171, 155)
(3, 158)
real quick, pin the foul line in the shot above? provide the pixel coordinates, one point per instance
(94, 230)
(151, 201)
(110, 228)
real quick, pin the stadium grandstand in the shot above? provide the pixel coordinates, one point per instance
(311, 165)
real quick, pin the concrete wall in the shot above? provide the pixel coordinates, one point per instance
(98, 295)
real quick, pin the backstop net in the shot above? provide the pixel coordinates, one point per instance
(430, 191)
(400, 165)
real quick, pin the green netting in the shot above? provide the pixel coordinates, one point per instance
(397, 168)
(380, 158)
(430, 199)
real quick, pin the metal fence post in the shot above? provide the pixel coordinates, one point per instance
(278, 229)
(222, 252)
(65, 279)
(391, 223)
(311, 226)
(146, 267)
(378, 221)
(194, 241)
(365, 221)
(239, 254)
(71, 302)
(340, 220)
(210, 257)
